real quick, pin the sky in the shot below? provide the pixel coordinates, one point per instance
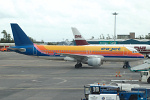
(51, 20)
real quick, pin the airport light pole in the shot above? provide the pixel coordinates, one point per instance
(115, 26)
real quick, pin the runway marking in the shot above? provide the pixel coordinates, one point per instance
(43, 88)
(58, 76)
(6, 65)
(32, 75)
(63, 80)
(29, 75)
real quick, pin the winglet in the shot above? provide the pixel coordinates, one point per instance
(79, 39)
(20, 38)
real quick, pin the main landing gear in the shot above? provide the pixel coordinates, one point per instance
(126, 65)
(147, 56)
(78, 65)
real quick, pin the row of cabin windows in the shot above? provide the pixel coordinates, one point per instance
(71, 51)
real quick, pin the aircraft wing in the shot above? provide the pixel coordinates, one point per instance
(82, 57)
(142, 67)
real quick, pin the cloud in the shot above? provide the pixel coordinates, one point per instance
(51, 20)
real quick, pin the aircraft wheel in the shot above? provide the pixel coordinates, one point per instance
(133, 97)
(124, 66)
(78, 65)
(148, 80)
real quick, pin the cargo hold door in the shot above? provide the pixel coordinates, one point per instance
(34, 51)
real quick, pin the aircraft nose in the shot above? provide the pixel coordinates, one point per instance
(142, 56)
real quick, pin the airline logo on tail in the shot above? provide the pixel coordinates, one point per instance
(78, 36)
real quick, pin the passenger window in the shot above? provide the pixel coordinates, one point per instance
(135, 52)
(145, 73)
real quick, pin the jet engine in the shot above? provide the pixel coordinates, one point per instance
(94, 62)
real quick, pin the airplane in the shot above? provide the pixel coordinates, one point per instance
(91, 55)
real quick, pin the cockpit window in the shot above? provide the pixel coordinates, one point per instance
(135, 52)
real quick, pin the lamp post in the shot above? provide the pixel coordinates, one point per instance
(115, 26)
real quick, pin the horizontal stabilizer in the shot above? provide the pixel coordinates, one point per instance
(17, 49)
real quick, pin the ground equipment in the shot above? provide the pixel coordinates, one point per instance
(112, 92)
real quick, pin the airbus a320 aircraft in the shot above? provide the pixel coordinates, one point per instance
(91, 55)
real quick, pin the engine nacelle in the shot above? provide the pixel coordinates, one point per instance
(94, 62)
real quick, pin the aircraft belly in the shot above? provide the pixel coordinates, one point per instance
(51, 57)
(121, 59)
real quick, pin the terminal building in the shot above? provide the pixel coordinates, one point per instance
(121, 39)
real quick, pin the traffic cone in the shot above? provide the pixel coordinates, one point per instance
(116, 74)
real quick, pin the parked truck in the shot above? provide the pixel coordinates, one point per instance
(145, 76)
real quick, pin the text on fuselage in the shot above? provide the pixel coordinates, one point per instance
(111, 49)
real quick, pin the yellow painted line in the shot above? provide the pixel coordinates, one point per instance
(31, 75)
(54, 75)
(5, 66)
(47, 88)
(19, 76)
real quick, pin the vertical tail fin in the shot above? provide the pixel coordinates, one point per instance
(79, 39)
(20, 38)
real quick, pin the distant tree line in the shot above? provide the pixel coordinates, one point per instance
(8, 39)
(50, 43)
(143, 37)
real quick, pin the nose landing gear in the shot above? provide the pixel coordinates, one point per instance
(126, 65)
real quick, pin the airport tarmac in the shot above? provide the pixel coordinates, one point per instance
(29, 78)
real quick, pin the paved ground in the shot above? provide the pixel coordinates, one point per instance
(29, 78)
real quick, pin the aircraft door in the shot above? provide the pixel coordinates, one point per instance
(125, 52)
(34, 51)
(88, 51)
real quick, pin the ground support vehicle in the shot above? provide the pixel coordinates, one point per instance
(144, 69)
(110, 92)
(3, 49)
(145, 76)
